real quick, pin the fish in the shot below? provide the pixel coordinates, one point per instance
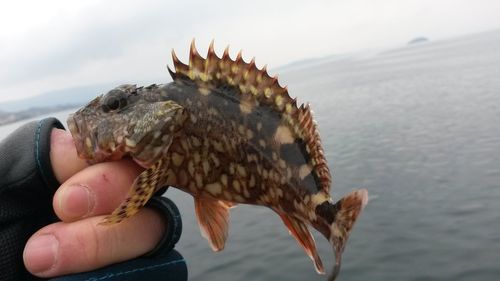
(227, 133)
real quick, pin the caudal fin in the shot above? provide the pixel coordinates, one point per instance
(337, 221)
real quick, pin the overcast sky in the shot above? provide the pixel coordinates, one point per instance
(56, 44)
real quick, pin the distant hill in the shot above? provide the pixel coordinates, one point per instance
(71, 96)
(10, 117)
(12, 111)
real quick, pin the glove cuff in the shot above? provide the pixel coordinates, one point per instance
(42, 151)
(174, 224)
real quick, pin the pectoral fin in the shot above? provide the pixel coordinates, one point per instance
(301, 233)
(228, 204)
(213, 218)
(144, 186)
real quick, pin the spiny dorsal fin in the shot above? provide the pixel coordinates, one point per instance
(308, 124)
(215, 71)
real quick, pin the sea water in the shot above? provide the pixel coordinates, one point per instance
(419, 127)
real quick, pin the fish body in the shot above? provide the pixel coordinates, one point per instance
(227, 133)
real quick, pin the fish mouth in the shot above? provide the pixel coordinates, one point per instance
(73, 126)
(83, 140)
(86, 140)
(74, 129)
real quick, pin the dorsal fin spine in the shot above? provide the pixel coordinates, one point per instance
(214, 71)
(211, 61)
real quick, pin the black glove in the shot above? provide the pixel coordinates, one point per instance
(27, 185)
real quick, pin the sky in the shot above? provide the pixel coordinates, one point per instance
(57, 44)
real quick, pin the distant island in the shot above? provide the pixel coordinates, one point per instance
(418, 40)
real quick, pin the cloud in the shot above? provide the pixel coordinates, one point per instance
(55, 44)
(95, 35)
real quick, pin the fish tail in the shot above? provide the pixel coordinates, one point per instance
(336, 221)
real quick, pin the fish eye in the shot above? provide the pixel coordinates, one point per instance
(114, 100)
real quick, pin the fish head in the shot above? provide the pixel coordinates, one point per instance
(122, 122)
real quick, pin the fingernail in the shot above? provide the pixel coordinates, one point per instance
(76, 201)
(40, 253)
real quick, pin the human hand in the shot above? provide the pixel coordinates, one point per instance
(78, 243)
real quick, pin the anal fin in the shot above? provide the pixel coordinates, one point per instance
(301, 233)
(144, 186)
(213, 219)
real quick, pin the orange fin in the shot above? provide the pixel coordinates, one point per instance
(228, 204)
(301, 233)
(144, 186)
(213, 219)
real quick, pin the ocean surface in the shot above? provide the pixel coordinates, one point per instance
(419, 127)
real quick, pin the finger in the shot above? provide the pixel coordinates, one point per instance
(95, 190)
(63, 155)
(84, 245)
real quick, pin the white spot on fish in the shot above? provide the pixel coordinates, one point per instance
(206, 167)
(236, 186)
(223, 179)
(199, 180)
(204, 91)
(88, 142)
(245, 107)
(304, 171)
(191, 167)
(283, 135)
(193, 118)
(238, 198)
(241, 170)
(259, 126)
(130, 143)
(249, 134)
(214, 188)
(177, 159)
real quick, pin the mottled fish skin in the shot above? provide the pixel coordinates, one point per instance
(227, 133)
